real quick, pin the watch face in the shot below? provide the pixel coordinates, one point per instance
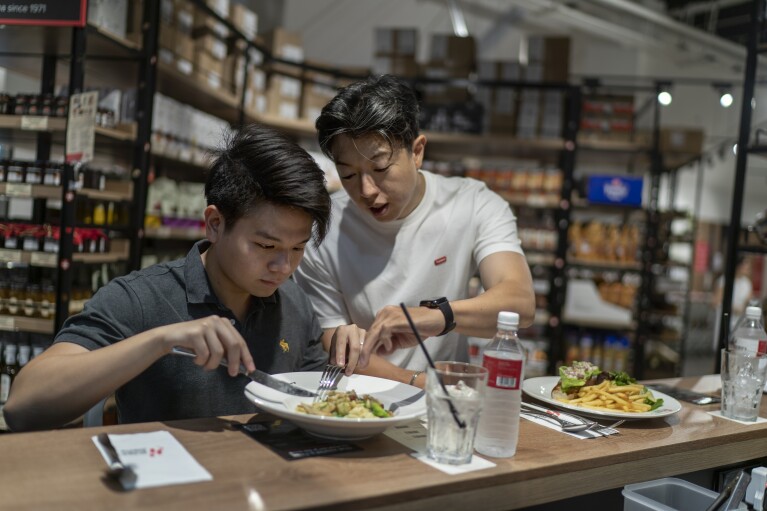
(433, 302)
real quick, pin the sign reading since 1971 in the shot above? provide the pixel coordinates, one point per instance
(41, 12)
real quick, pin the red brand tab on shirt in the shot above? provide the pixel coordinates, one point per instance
(503, 373)
(440, 260)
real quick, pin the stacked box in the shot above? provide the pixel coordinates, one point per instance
(318, 89)
(110, 15)
(500, 103)
(210, 47)
(244, 20)
(395, 52)
(608, 117)
(284, 81)
(451, 57)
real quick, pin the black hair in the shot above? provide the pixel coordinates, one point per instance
(260, 165)
(385, 105)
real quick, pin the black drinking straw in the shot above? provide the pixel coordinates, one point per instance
(457, 418)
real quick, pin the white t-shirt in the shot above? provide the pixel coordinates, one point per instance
(364, 265)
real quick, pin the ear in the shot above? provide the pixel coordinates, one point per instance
(419, 146)
(214, 224)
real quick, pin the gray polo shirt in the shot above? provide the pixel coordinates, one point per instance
(282, 333)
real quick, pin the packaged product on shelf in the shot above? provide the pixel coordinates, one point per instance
(5, 102)
(244, 20)
(110, 15)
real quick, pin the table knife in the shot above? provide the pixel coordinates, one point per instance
(259, 376)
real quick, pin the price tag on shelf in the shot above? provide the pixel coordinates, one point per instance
(7, 323)
(46, 259)
(18, 190)
(34, 122)
(8, 255)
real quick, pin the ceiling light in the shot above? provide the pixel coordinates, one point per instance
(726, 99)
(664, 98)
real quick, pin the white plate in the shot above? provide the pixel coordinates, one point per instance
(540, 388)
(338, 428)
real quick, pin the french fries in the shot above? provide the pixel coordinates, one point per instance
(610, 397)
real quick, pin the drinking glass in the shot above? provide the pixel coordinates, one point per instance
(743, 378)
(465, 384)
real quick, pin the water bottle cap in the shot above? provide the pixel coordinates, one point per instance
(754, 312)
(508, 319)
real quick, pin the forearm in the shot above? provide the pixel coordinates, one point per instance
(477, 317)
(59, 387)
(382, 368)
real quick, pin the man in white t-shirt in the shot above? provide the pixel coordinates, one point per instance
(399, 235)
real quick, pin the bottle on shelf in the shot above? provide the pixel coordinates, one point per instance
(504, 358)
(750, 336)
(8, 372)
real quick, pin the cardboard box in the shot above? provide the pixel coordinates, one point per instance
(167, 37)
(184, 47)
(285, 44)
(211, 44)
(453, 51)
(391, 42)
(244, 20)
(208, 67)
(221, 7)
(405, 67)
(681, 140)
(110, 15)
(445, 92)
(318, 89)
(556, 59)
(204, 24)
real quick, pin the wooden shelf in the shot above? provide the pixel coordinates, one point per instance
(10, 256)
(607, 265)
(126, 45)
(33, 123)
(174, 233)
(162, 157)
(118, 251)
(116, 134)
(604, 325)
(20, 323)
(585, 204)
(33, 191)
(300, 127)
(196, 93)
(531, 201)
(540, 259)
(596, 144)
(106, 195)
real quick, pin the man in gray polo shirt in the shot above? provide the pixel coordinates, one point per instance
(229, 298)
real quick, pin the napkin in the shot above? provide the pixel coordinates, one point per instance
(157, 458)
(583, 435)
(718, 413)
(413, 436)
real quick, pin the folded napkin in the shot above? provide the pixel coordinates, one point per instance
(583, 435)
(157, 458)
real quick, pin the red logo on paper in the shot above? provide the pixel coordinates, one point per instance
(155, 452)
(440, 260)
(503, 373)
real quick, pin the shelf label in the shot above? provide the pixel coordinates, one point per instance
(8, 255)
(34, 122)
(18, 190)
(69, 13)
(7, 323)
(45, 259)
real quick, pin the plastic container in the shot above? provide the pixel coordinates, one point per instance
(667, 494)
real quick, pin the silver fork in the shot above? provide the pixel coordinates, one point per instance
(328, 381)
(604, 430)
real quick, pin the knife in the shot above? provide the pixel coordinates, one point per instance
(258, 376)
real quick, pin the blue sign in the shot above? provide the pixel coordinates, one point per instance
(618, 190)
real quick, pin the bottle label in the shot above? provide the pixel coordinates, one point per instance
(503, 373)
(751, 346)
(5, 387)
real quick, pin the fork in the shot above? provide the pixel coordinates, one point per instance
(603, 430)
(328, 381)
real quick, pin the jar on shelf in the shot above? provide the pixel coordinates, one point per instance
(51, 240)
(32, 299)
(15, 171)
(34, 104)
(34, 173)
(20, 104)
(5, 102)
(47, 305)
(52, 174)
(62, 106)
(47, 105)
(18, 292)
(31, 238)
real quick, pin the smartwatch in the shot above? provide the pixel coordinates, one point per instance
(442, 304)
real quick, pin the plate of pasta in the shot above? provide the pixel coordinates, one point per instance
(361, 408)
(605, 399)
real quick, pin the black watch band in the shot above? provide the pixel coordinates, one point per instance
(443, 305)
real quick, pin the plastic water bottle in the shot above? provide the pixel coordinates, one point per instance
(750, 336)
(504, 358)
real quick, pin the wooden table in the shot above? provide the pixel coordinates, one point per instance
(62, 470)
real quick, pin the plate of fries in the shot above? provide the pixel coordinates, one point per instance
(604, 400)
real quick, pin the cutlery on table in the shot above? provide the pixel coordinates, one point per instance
(124, 474)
